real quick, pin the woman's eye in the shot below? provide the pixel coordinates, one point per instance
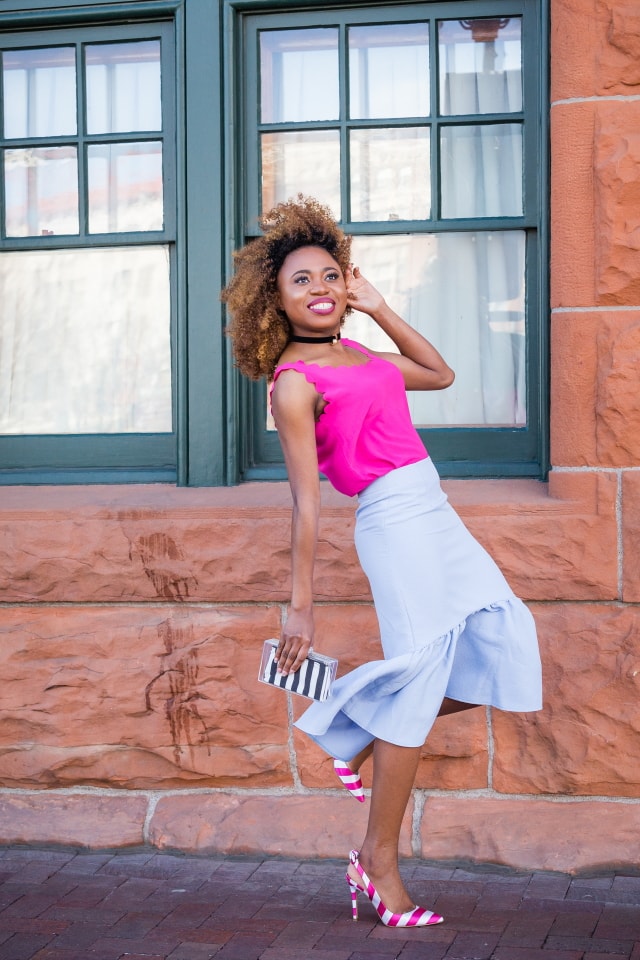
(332, 276)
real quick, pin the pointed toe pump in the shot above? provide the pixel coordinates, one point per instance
(351, 781)
(418, 917)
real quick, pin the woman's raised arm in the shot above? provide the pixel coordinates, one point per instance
(422, 367)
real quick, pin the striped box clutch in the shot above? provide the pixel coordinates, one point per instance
(313, 680)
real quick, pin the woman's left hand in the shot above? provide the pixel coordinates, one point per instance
(362, 295)
(422, 367)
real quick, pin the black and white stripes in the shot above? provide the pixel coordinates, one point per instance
(313, 680)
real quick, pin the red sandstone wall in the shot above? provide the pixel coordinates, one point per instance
(131, 617)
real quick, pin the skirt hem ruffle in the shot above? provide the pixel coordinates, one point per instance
(398, 700)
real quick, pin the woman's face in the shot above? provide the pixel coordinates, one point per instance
(312, 291)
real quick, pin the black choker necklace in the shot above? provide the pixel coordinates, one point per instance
(334, 339)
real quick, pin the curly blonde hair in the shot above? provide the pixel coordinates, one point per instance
(259, 329)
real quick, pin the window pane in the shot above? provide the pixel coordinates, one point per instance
(84, 341)
(301, 162)
(390, 174)
(482, 171)
(465, 292)
(480, 66)
(41, 191)
(123, 86)
(299, 75)
(389, 71)
(39, 92)
(125, 187)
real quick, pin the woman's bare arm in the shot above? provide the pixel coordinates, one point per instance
(293, 403)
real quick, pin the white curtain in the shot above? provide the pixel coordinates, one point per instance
(465, 293)
(85, 341)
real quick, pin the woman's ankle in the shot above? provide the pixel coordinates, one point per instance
(379, 860)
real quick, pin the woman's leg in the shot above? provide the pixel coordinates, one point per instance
(394, 771)
(448, 706)
(454, 706)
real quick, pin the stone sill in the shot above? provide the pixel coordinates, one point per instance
(470, 497)
(555, 540)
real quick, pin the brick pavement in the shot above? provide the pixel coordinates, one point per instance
(63, 905)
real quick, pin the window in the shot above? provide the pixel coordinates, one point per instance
(87, 251)
(419, 125)
(139, 142)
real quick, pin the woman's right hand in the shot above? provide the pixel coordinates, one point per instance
(296, 640)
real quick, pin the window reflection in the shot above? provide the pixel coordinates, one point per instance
(41, 191)
(39, 92)
(301, 162)
(390, 174)
(84, 341)
(389, 71)
(125, 187)
(482, 170)
(123, 86)
(299, 73)
(480, 66)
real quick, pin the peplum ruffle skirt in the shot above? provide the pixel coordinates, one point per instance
(450, 625)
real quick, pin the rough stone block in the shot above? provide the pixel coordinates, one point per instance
(43, 557)
(595, 418)
(530, 834)
(631, 536)
(585, 741)
(168, 559)
(617, 394)
(574, 378)
(595, 48)
(617, 195)
(573, 253)
(560, 545)
(595, 203)
(167, 544)
(139, 697)
(456, 754)
(81, 820)
(288, 826)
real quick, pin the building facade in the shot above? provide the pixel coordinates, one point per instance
(484, 156)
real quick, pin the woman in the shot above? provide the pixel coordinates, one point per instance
(454, 635)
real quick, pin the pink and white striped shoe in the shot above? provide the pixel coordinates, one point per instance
(418, 917)
(350, 780)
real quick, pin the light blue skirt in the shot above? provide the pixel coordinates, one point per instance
(450, 625)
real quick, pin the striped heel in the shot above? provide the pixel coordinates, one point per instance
(350, 780)
(418, 917)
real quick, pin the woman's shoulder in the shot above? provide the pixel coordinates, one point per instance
(355, 345)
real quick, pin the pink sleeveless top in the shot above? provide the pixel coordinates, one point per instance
(365, 430)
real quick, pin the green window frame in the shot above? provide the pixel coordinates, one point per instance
(86, 456)
(458, 450)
